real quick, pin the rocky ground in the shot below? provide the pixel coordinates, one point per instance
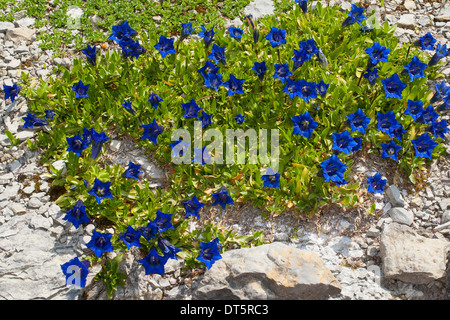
(399, 252)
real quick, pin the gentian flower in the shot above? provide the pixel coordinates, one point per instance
(31, 120)
(208, 36)
(186, 30)
(307, 90)
(121, 32)
(76, 271)
(424, 146)
(49, 114)
(193, 206)
(303, 4)
(234, 85)
(165, 46)
(154, 263)
(358, 121)
(249, 19)
(131, 237)
(343, 142)
(291, 88)
(282, 72)
(162, 221)
(100, 190)
(426, 42)
(396, 131)
(377, 53)
(98, 139)
(131, 48)
(201, 156)
(222, 197)
(190, 109)
(441, 51)
(76, 144)
(100, 243)
(81, 90)
(358, 145)
(168, 249)
(91, 54)
(414, 109)
(271, 179)
(442, 90)
(393, 86)
(310, 47)
(390, 150)
(276, 37)
(214, 81)
(154, 100)
(260, 69)
(428, 115)
(322, 88)
(439, 129)
(218, 54)
(209, 67)
(355, 15)
(300, 56)
(87, 135)
(179, 148)
(386, 121)
(127, 106)
(132, 171)
(255, 35)
(11, 92)
(376, 184)
(152, 131)
(206, 119)
(150, 231)
(77, 215)
(304, 125)
(333, 170)
(236, 33)
(239, 119)
(415, 69)
(371, 75)
(210, 252)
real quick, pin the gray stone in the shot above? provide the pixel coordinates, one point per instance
(115, 145)
(401, 215)
(10, 192)
(444, 15)
(40, 222)
(373, 232)
(410, 257)
(259, 8)
(395, 197)
(409, 5)
(19, 34)
(25, 22)
(5, 26)
(18, 208)
(23, 135)
(272, 271)
(407, 21)
(13, 64)
(34, 203)
(60, 165)
(445, 216)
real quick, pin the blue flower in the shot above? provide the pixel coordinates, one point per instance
(386, 121)
(218, 54)
(428, 115)
(303, 4)
(390, 150)
(209, 67)
(239, 119)
(121, 32)
(213, 81)
(168, 249)
(127, 106)
(77, 215)
(426, 42)
(343, 142)
(186, 30)
(355, 15)
(255, 35)
(282, 72)
(424, 146)
(76, 144)
(439, 129)
(291, 88)
(415, 69)
(100, 243)
(162, 221)
(165, 46)
(91, 54)
(234, 85)
(307, 90)
(150, 231)
(441, 52)
(11, 92)
(442, 90)
(131, 48)
(377, 53)
(81, 90)
(376, 184)
(154, 100)
(154, 263)
(179, 148)
(371, 75)
(414, 109)
(132, 171)
(358, 121)
(276, 37)
(100, 190)
(201, 156)
(322, 88)
(131, 237)
(333, 170)
(193, 206)
(300, 56)
(236, 33)
(393, 86)
(208, 36)
(260, 69)
(210, 252)
(358, 145)
(76, 271)
(87, 135)
(222, 197)
(98, 139)
(49, 114)
(396, 131)
(304, 125)
(191, 109)
(309, 47)
(31, 120)
(206, 119)
(271, 179)
(152, 131)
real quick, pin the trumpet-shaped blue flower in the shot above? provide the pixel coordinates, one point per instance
(393, 86)
(210, 252)
(414, 109)
(236, 33)
(163, 221)
(260, 69)
(390, 150)
(76, 144)
(439, 129)
(131, 48)
(154, 100)
(180, 148)
(276, 37)
(31, 121)
(424, 146)
(49, 114)
(282, 72)
(132, 171)
(358, 145)
(322, 88)
(205, 119)
(234, 85)
(218, 54)
(304, 125)
(371, 75)
(415, 69)
(309, 47)
(165, 46)
(209, 67)
(127, 105)
(91, 54)
(300, 56)
(307, 90)
(150, 231)
(396, 131)
(81, 90)
(291, 88)
(239, 119)
(355, 15)
(441, 52)
(76, 271)
(426, 42)
(303, 4)
(168, 249)
(98, 139)
(214, 81)
(87, 135)
(222, 197)
(442, 90)
(377, 53)
(343, 142)
(152, 131)
(186, 30)
(77, 215)
(386, 121)
(131, 237)
(208, 36)
(100, 243)
(271, 179)
(154, 263)
(428, 115)
(121, 32)
(191, 109)
(201, 156)
(358, 121)
(376, 184)
(11, 92)
(101, 190)
(193, 206)
(333, 170)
